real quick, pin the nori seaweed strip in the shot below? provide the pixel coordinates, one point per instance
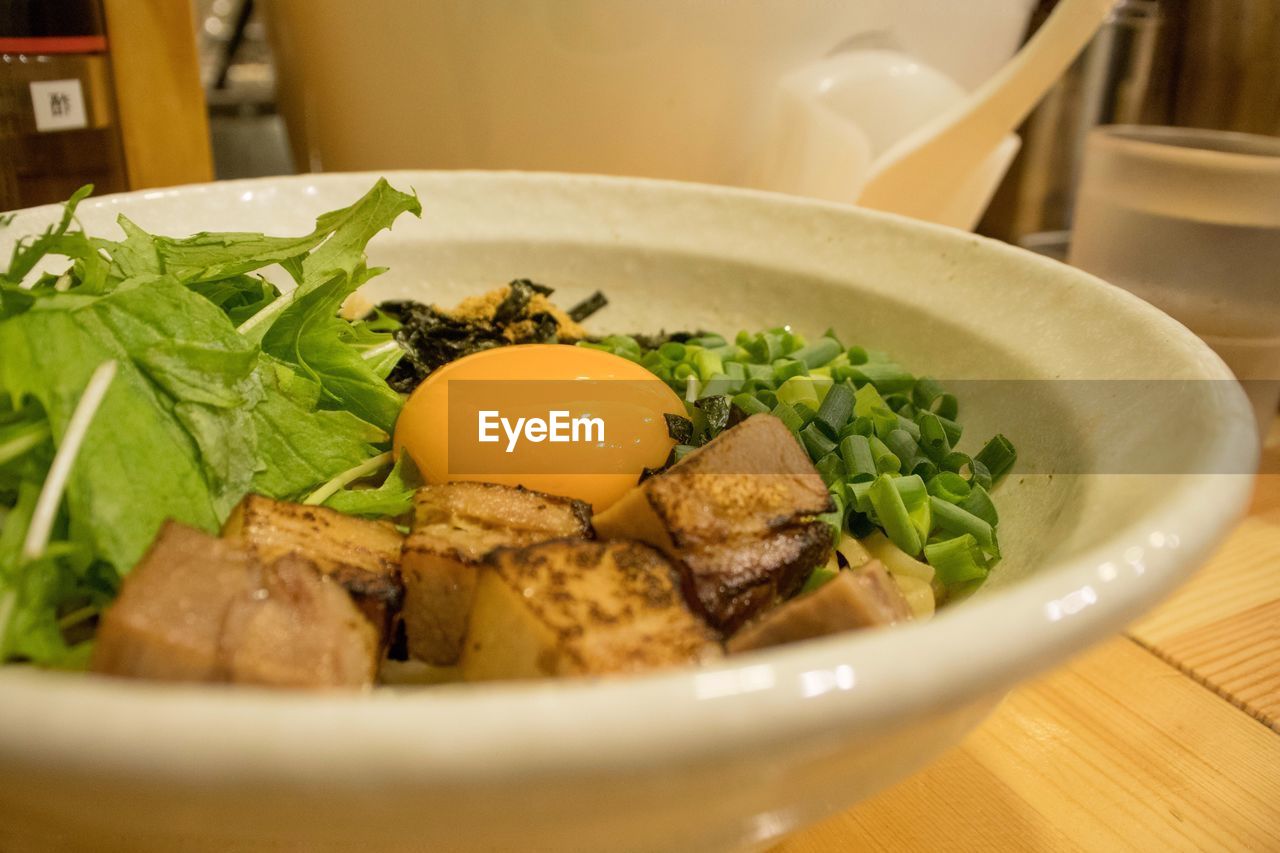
(534, 286)
(432, 339)
(679, 428)
(545, 328)
(515, 303)
(716, 408)
(657, 340)
(588, 306)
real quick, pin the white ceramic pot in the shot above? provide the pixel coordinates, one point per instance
(798, 96)
(728, 757)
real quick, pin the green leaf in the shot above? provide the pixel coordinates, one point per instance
(27, 253)
(391, 499)
(137, 465)
(213, 256)
(303, 447)
(240, 297)
(136, 254)
(32, 631)
(309, 336)
(197, 415)
(378, 348)
(353, 227)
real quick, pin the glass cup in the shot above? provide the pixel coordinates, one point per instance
(1189, 220)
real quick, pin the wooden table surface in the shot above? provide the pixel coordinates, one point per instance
(1166, 737)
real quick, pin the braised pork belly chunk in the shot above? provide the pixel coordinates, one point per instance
(575, 607)
(361, 555)
(455, 526)
(167, 621)
(298, 629)
(865, 597)
(737, 516)
(199, 608)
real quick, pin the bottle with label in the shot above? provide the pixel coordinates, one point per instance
(58, 127)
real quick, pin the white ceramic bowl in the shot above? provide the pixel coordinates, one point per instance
(731, 756)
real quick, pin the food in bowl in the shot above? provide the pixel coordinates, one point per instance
(199, 482)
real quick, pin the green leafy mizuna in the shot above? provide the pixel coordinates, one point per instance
(223, 384)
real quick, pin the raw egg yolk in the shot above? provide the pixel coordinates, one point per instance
(565, 420)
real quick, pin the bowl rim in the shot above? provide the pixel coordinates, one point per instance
(863, 681)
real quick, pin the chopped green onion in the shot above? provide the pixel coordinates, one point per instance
(998, 455)
(672, 351)
(978, 474)
(908, 426)
(720, 384)
(923, 467)
(956, 560)
(929, 396)
(949, 486)
(708, 364)
(831, 468)
(955, 462)
(933, 437)
(886, 461)
(760, 373)
(799, 389)
(884, 421)
(903, 446)
(953, 519)
(979, 503)
(886, 376)
(785, 368)
(835, 410)
(819, 352)
(892, 512)
(915, 497)
(859, 463)
(765, 347)
(866, 400)
(951, 428)
(749, 404)
(785, 413)
(859, 495)
(806, 412)
(859, 426)
(816, 442)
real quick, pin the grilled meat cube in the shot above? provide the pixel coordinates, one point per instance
(167, 620)
(737, 580)
(198, 608)
(360, 554)
(865, 597)
(301, 629)
(575, 607)
(737, 516)
(455, 526)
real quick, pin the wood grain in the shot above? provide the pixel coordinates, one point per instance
(1118, 750)
(157, 81)
(1223, 627)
